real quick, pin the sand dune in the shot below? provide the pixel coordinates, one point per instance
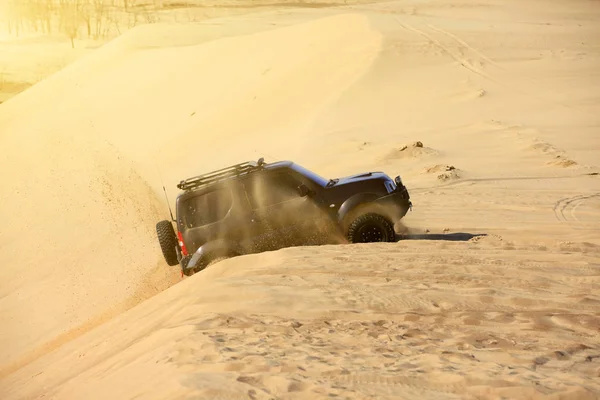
(77, 233)
(413, 150)
(335, 321)
(195, 95)
(87, 163)
(493, 292)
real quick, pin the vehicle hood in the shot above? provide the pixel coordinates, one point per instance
(368, 176)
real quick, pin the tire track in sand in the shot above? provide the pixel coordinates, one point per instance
(459, 49)
(564, 210)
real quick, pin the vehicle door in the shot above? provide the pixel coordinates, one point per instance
(206, 216)
(279, 211)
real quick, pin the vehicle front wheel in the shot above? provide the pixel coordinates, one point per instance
(371, 227)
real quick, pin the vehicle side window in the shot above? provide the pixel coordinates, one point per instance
(271, 188)
(207, 208)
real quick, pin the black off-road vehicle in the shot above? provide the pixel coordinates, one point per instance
(256, 206)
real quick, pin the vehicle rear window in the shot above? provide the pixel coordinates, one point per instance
(207, 208)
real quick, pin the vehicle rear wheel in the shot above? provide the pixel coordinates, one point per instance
(371, 227)
(168, 241)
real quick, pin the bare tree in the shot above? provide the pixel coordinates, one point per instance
(47, 14)
(145, 14)
(14, 15)
(70, 16)
(98, 18)
(113, 19)
(100, 15)
(85, 11)
(41, 12)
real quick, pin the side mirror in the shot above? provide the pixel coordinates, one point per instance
(398, 181)
(303, 190)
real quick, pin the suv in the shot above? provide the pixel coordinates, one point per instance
(256, 206)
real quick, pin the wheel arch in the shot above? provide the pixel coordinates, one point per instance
(353, 203)
(212, 249)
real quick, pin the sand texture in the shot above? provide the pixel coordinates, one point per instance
(488, 110)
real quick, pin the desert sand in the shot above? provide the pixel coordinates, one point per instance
(490, 113)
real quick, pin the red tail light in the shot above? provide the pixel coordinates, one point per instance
(181, 244)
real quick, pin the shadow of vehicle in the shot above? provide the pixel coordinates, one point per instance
(451, 237)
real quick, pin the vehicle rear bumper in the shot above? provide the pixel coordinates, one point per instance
(183, 260)
(207, 252)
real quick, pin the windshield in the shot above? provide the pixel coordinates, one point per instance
(319, 180)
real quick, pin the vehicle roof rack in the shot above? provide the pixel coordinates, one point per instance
(220, 174)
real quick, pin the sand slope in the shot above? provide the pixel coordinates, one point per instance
(495, 295)
(85, 164)
(368, 322)
(77, 233)
(164, 88)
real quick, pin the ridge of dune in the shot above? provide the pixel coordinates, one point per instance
(195, 95)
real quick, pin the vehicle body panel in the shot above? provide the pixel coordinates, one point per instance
(244, 225)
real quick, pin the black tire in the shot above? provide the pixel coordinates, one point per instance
(168, 241)
(371, 227)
